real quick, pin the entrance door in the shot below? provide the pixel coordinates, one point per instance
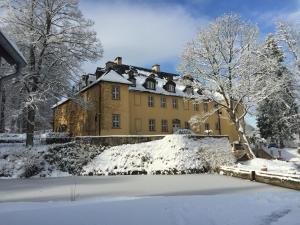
(176, 125)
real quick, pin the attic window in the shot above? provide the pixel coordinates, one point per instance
(150, 84)
(189, 91)
(171, 88)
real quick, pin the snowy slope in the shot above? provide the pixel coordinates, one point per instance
(174, 154)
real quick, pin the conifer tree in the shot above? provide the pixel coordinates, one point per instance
(277, 115)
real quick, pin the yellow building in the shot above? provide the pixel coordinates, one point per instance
(128, 100)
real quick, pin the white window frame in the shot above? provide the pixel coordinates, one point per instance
(151, 124)
(164, 125)
(175, 103)
(116, 95)
(150, 101)
(163, 102)
(116, 121)
(150, 85)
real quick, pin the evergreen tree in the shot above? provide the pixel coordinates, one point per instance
(277, 115)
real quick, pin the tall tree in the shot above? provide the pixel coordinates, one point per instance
(226, 59)
(56, 39)
(277, 116)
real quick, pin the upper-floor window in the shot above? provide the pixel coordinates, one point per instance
(163, 102)
(150, 101)
(196, 106)
(164, 126)
(151, 125)
(175, 103)
(205, 106)
(115, 92)
(116, 121)
(150, 84)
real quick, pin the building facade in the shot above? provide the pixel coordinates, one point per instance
(127, 100)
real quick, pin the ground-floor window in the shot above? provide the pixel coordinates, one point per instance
(151, 125)
(116, 121)
(164, 126)
(186, 125)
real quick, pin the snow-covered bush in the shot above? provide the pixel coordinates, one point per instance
(174, 154)
(71, 157)
(31, 168)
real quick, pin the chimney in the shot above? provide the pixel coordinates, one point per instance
(156, 68)
(118, 60)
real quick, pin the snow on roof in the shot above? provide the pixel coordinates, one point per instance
(63, 100)
(113, 76)
(141, 76)
(160, 82)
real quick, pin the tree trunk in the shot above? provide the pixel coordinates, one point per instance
(242, 136)
(30, 126)
(2, 108)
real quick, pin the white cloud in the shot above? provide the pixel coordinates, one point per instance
(141, 34)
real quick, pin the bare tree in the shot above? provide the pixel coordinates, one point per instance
(56, 39)
(226, 60)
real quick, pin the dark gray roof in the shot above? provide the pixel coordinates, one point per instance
(10, 52)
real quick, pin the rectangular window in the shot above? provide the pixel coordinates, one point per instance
(205, 107)
(163, 102)
(171, 88)
(186, 125)
(150, 85)
(196, 107)
(206, 126)
(116, 121)
(217, 126)
(150, 101)
(115, 93)
(175, 103)
(164, 126)
(151, 125)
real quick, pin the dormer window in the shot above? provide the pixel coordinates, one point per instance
(170, 86)
(189, 90)
(150, 84)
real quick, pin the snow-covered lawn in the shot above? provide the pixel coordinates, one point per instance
(174, 154)
(287, 154)
(232, 209)
(275, 166)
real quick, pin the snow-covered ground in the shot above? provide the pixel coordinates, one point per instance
(275, 166)
(237, 209)
(174, 154)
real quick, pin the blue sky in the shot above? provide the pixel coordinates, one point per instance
(149, 32)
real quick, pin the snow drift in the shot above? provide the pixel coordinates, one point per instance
(174, 154)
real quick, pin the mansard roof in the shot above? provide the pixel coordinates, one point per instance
(122, 73)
